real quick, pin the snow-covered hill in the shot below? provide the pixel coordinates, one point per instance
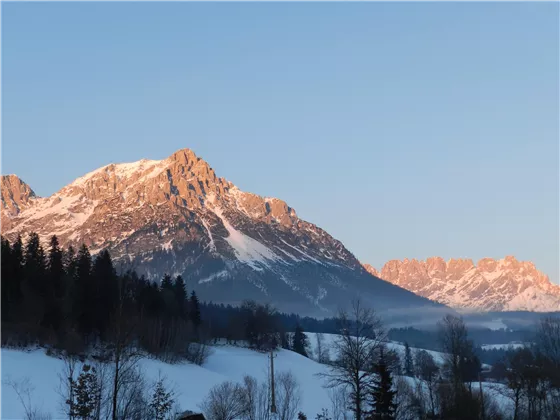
(177, 216)
(490, 285)
(329, 345)
(190, 382)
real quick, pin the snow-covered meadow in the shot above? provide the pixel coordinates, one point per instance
(191, 383)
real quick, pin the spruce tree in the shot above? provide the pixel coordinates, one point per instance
(166, 283)
(70, 263)
(382, 397)
(55, 285)
(105, 289)
(162, 401)
(35, 265)
(300, 341)
(56, 267)
(84, 300)
(17, 268)
(8, 281)
(408, 363)
(181, 296)
(194, 310)
(86, 394)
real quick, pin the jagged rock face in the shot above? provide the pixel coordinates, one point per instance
(16, 196)
(176, 216)
(490, 285)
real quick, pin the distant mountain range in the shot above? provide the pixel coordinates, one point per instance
(490, 285)
(177, 216)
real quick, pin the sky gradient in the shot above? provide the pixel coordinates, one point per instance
(405, 130)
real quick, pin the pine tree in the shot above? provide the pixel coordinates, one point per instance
(35, 265)
(301, 416)
(408, 363)
(194, 310)
(105, 291)
(84, 300)
(382, 398)
(181, 296)
(55, 287)
(16, 271)
(86, 394)
(8, 281)
(70, 263)
(162, 401)
(300, 341)
(166, 283)
(56, 267)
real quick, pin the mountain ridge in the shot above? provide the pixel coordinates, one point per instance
(177, 216)
(489, 285)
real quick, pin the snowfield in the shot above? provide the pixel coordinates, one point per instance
(329, 343)
(190, 382)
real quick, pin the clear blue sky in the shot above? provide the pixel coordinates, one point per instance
(405, 130)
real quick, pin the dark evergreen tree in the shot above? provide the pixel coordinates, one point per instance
(8, 282)
(84, 299)
(300, 342)
(105, 289)
(17, 263)
(181, 296)
(35, 265)
(408, 363)
(382, 396)
(56, 267)
(194, 310)
(162, 402)
(70, 263)
(166, 283)
(55, 286)
(86, 394)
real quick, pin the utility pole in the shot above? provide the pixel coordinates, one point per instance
(272, 394)
(481, 397)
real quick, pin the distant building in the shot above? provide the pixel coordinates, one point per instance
(189, 415)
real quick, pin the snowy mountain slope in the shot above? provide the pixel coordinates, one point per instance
(490, 285)
(176, 216)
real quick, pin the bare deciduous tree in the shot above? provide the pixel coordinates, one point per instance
(321, 349)
(225, 401)
(288, 395)
(24, 391)
(427, 370)
(339, 397)
(361, 334)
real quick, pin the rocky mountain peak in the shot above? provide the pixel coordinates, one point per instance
(16, 195)
(503, 284)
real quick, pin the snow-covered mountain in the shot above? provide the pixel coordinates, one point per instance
(490, 285)
(176, 216)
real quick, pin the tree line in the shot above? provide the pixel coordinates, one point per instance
(72, 301)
